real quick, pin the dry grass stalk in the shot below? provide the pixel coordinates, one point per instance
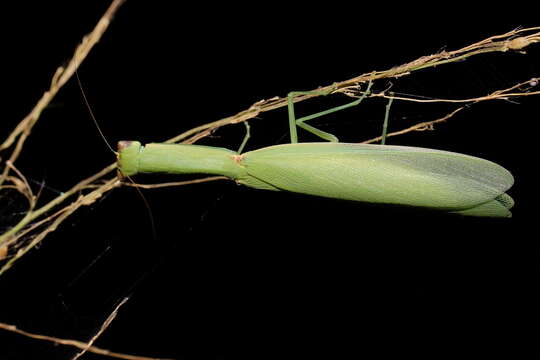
(84, 346)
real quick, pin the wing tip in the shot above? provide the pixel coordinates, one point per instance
(499, 207)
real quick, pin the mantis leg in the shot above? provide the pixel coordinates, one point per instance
(385, 123)
(246, 137)
(293, 122)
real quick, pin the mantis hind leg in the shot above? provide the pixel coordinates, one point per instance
(385, 123)
(293, 122)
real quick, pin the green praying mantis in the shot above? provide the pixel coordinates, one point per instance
(383, 174)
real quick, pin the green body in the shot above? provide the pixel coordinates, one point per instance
(370, 173)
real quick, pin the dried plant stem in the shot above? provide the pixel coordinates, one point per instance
(75, 343)
(177, 183)
(504, 94)
(31, 215)
(15, 141)
(426, 125)
(19, 135)
(103, 327)
(56, 219)
(498, 43)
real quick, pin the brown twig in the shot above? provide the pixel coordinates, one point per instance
(102, 328)
(426, 125)
(177, 183)
(83, 200)
(75, 343)
(429, 125)
(499, 43)
(21, 132)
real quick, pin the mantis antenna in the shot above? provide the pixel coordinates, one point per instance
(83, 93)
(145, 201)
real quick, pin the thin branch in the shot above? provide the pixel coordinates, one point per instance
(177, 183)
(103, 327)
(83, 200)
(75, 343)
(498, 43)
(19, 135)
(427, 125)
(32, 215)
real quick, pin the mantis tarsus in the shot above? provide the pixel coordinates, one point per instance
(398, 175)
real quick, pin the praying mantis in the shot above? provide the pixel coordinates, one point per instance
(383, 174)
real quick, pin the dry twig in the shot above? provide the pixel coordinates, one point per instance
(75, 343)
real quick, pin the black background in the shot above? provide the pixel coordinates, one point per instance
(235, 272)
